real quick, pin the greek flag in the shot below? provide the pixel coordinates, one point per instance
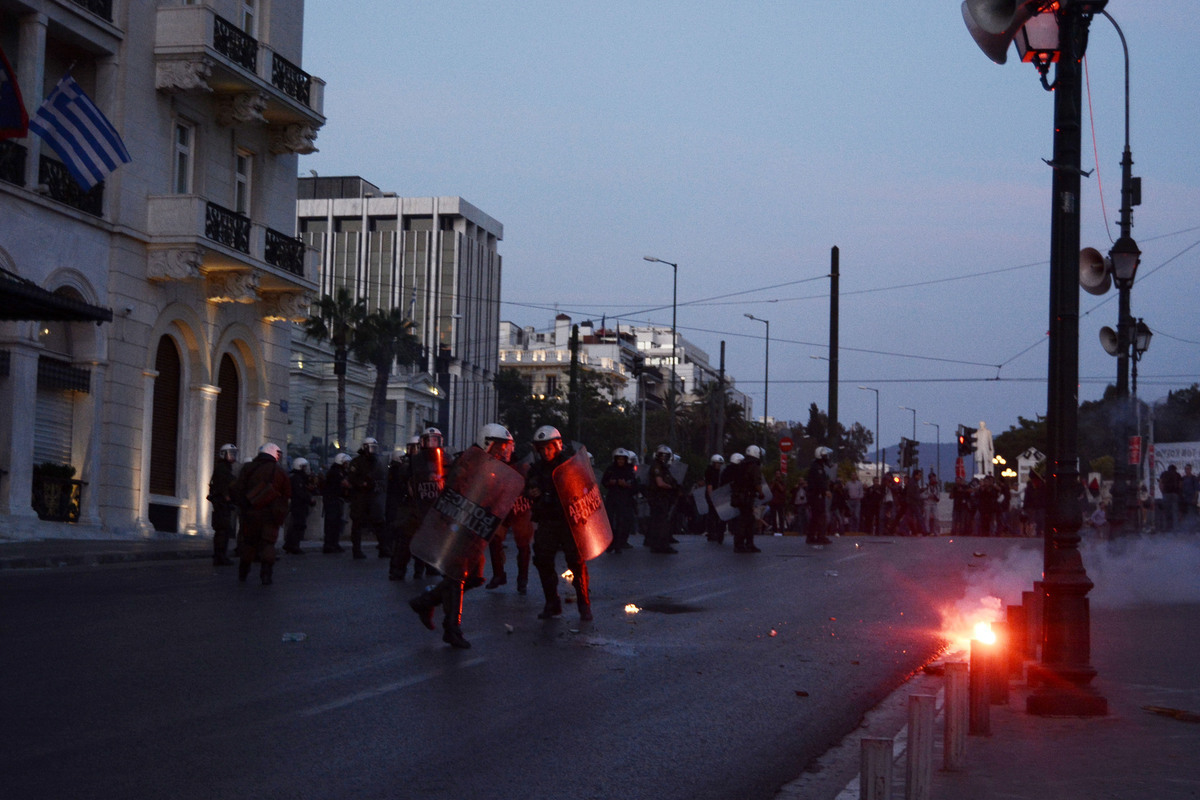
(88, 144)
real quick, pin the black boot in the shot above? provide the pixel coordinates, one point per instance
(265, 573)
(452, 601)
(583, 597)
(243, 570)
(425, 603)
(219, 557)
(499, 579)
(549, 579)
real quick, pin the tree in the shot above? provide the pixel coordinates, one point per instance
(334, 320)
(381, 339)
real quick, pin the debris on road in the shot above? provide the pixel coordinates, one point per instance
(295, 637)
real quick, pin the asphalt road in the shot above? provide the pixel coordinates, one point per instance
(171, 680)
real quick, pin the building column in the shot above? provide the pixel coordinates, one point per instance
(88, 413)
(18, 391)
(204, 428)
(256, 425)
(31, 72)
(141, 513)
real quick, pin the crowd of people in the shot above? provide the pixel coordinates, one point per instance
(549, 502)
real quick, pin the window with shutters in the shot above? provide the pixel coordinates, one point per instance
(164, 426)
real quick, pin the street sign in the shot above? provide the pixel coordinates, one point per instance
(1135, 450)
(785, 444)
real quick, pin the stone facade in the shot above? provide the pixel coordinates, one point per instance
(192, 245)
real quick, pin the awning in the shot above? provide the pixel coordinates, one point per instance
(23, 299)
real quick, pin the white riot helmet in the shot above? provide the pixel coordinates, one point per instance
(755, 452)
(342, 458)
(736, 458)
(822, 452)
(663, 453)
(546, 433)
(493, 431)
(271, 449)
(431, 438)
(228, 452)
(370, 445)
(717, 459)
(300, 465)
(397, 454)
(621, 452)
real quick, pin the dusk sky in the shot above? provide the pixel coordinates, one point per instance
(744, 140)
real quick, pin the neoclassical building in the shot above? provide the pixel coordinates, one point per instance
(192, 247)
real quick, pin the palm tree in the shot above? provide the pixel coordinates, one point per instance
(335, 319)
(382, 338)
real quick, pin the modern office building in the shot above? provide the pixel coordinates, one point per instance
(435, 258)
(111, 428)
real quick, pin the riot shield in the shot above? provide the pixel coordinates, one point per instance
(721, 497)
(583, 505)
(700, 500)
(765, 500)
(479, 494)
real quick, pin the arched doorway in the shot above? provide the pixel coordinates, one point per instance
(164, 435)
(228, 403)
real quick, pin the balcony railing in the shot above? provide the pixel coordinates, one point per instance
(63, 188)
(285, 252)
(234, 44)
(227, 227)
(290, 79)
(12, 162)
(101, 8)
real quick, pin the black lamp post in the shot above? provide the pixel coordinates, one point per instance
(766, 377)
(671, 401)
(1065, 671)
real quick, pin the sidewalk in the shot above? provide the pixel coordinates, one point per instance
(1146, 658)
(58, 553)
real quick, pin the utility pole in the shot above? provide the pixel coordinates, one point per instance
(834, 440)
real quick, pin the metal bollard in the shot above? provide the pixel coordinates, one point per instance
(875, 772)
(918, 767)
(998, 665)
(1016, 642)
(957, 713)
(980, 723)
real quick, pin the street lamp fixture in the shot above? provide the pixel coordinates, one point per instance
(674, 306)
(1125, 257)
(766, 375)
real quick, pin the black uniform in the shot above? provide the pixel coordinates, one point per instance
(302, 501)
(662, 501)
(426, 479)
(222, 512)
(368, 481)
(817, 481)
(552, 535)
(333, 495)
(747, 488)
(620, 484)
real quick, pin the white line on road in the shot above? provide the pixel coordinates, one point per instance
(385, 689)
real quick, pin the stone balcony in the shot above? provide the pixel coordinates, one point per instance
(197, 50)
(239, 260)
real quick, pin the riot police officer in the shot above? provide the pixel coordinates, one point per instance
(303, 488)
(662, 492)
(222, 503)
(368, 481)
(553, 534)
(262, 491)
(497, 442)
(746, 490)
(620, 482)
(333, 502)
(426, 479)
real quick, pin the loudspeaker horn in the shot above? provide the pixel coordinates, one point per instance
(1108, 340)
(993, 24)
(1094, 272)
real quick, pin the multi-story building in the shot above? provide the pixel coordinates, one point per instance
(436, 259)
(616, 355)
(191, 244)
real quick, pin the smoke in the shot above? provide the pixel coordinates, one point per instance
(1161, 569)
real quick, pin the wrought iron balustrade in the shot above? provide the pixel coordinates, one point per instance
(227, 227)
(285, 252)
(12, 162)
(236, 45)
(101, 8)
(290, 79)
(63, 188)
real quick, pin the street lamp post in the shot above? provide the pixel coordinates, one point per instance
(1065, 668)
(938, 430)
(878, 453)
(674, 306)
(766, 376)
(914, 437)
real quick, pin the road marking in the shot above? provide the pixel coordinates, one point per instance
(386, 688)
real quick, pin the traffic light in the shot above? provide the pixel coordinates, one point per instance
(639, 365)
(914, 457)
(906, 447)
(966, 440)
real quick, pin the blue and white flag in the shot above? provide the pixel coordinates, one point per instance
(88, 144)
